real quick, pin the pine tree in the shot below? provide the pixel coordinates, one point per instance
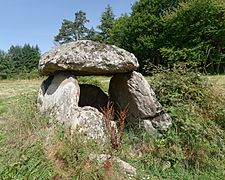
(73, 30)
(6, 65)
(24, 59)
(107, 21)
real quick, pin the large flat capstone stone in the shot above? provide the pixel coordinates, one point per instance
(87, 57)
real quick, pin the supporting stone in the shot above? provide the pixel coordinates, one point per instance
(133, 90)
(89, 121)
(59, 94)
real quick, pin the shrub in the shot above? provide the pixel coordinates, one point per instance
(196, 138)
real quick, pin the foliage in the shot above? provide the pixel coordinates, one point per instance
(181, 85)
(119, 32)
(91, 35)
(141, 33)
(25, 59)
(19, 60)
(6, 65)
(107, 21)
(73, 30)
(195, 32)
(167, 32)
(197, 136)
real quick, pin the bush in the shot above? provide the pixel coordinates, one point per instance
(196, 138)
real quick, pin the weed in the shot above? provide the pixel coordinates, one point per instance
(108, 113)
(111, 129)
(193, 148)
(122, 117)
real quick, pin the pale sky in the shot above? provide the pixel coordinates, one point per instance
(38, 21)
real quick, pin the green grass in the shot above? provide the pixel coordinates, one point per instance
(100, 81)
(22, 154)
(193, 148)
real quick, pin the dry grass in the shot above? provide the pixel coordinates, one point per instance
(218, 82)
(10, 88)
(109, 116)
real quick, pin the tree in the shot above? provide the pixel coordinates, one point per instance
(31, 56)
(24, 59)
(166, 32)
(73, 31)
(91, 34)
(118, 34)
(107, 21)
(195, 33)
(141, 33)
(6, 65)
(15, 53)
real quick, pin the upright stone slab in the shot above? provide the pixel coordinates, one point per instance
(133, 90)
(87, 57)
(59, 94)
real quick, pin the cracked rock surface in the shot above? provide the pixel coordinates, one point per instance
(87, 57)
(59, 94)
(133, 91)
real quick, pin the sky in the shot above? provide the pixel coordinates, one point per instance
(37, 21)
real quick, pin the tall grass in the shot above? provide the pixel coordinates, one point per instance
(196, 139)
(23, 154)
(35, 147)
(32, 147)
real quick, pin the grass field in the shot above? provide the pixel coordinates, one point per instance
(10, 88)
(219, 82)
(24, 155)
(13, 88)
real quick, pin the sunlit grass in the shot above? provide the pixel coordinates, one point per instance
(25, 155)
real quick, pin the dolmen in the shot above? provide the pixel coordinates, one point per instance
(80, 105)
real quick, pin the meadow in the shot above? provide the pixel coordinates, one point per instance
(193, 148)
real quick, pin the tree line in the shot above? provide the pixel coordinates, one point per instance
(160, 32)
(19, 60)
